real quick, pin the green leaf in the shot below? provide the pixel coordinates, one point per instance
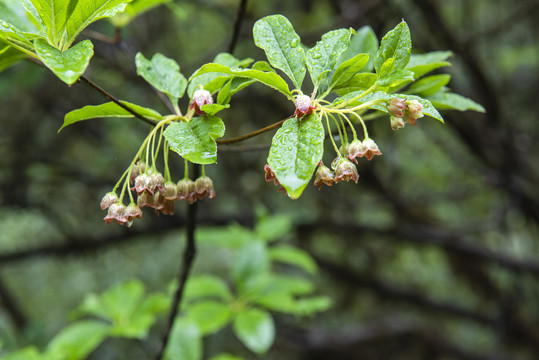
(121, 301)
(105, 110)
(321, 58)
(361, 81)
(348, 69)
(268, 78)
(195, 140)
(226, 357)
(213, 108)
(251, 262)
(28, 353)
(163, 74)
(278, 301)
(292, 285)
(276, 36)
(13, 35)
(9, 56)
(452, 101)
(396, 78)
(255, 329)
(397, 44)
(274, 227)
(424, 63)
(230, 237)
(68, 65)
(387, 68)
(429, 85)
(53, 15)
(293, 256)
(296, 150)
(206, 286)
(185, 341)
(134, 9)
(363, 41)
(311, 305)
(88, 11)
(210, 316)
(78, 340)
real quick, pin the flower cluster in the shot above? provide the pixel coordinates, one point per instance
(401, 110)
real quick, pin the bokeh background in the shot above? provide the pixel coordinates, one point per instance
(434, 254)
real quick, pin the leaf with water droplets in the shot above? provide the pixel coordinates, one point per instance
(321, 58)
(276, 36)
(363, 41)
(395, 44)
(349, 68)
(68, 65)
(295, 152)
(195, 140)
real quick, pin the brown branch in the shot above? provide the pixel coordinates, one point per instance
(188, 257)
(116, 101)
(237, 25)
(253, 134)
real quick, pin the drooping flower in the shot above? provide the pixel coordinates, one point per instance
(109, 199)
(201, 97)
(186, 190)
(396, 107)
(370, 149)
(396, 122)
(324, 176)
(413, 111)
(138, 169)
(132, 211)
(304, 106)
(145, 199)
(356, 149)
(204, 188)
(141, 184)
(270, 175)
(346, 171)
(116, 212)
(170, 191)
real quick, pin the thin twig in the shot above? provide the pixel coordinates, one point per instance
(116, 101)
(237, 25)
(188, 257)
(253, 134)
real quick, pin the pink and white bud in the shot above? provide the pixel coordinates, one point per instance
(346, 171)
(201, 97)
(371, 148)
(413, 111)
(304, 106)
(396, 122)
(324, 176)
(396, 107)
(109, 199)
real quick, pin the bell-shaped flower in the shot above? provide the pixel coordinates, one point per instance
(370, 149)
(413, 111)
(396, 122)
(116, 212)
(204, 188)
(323, 176)
(346, 171)
(109, 199)
(396, 107)
(186, 190)
(355, 149)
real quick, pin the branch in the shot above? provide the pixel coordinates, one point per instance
(237, 25)
(253, 134)
(116, 101)
(188, 257)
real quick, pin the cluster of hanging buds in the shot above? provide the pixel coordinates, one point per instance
(402, 110)
(154, 189)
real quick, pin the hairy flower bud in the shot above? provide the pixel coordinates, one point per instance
(304, 106)
(396, 107)
(170, 191)
(346, 171)
(204, 187)
(323, 176)
(141, 183)
(186, 190)
(116, 212)
(396, 122)
(356, 149)
(138, 169)
(109, 199)
(132, 211)
(201, 97)
(370, 148)
(145, 199)
(413, 111)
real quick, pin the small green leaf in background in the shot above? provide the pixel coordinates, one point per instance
(255, 329)
(451, 101)
(185, 341)
(13, 13)
(429, 84)
(363, 41)
(206, 286)
(270, 228)
(9, 56)
(397, 44)
(276, 36)
(361, 81)
(226, 357)
(251, 262)
(349, 68)
(321, 58)
(163, 74)
(68, 65)
(396, 78)
(134, 9)
(296, 150)
(425, 63)
(77, 340)
(232, 236)
(195, 141)
(122, 300)
(105, 110)
(311, 305)
(28, 353)
(209, 316)
(293, 256)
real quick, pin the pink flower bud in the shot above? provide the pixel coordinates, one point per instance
(141, 183)
(346, 171)
(413, 111)
(186, 190)
(304, 106)
(116, 212)
(109, 199)
(201, 97)
(138, 169)
(356, 149)
(396, 107)
(204, 188)
(371, 149)
(323, 176)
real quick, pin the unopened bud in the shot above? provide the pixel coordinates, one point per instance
(109, 199)
(396, 122)
(201, 97)
(304, 106)
(413, 111)
(396, 107)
